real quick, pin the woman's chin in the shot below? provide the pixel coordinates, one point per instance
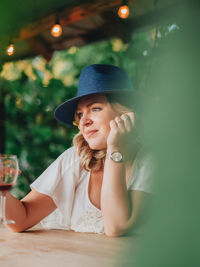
(95, 146)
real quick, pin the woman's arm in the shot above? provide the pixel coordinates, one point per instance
(120, 210)
(115, 204)
(29, 211)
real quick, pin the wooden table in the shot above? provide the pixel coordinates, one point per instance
(56, 248)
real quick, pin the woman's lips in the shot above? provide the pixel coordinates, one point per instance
(90, 133)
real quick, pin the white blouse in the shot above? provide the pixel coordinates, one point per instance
(66, 182)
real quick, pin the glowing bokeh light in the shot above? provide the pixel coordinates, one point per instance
(123, 12)
(10, 50)
(56, 30)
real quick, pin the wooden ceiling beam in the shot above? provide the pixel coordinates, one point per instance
(68, 16)
(94, 35)
(40, 47)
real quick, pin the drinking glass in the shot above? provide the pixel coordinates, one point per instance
(8, 175)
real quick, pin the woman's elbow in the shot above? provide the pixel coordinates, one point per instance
(16, 229)
(114, 232)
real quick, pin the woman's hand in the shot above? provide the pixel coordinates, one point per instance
(121, 129)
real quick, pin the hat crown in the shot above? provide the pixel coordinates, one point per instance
(96, 78)
(99, 78)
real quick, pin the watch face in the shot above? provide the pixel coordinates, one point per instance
(116, 156)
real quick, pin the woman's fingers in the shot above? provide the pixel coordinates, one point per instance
(113, 124)
(120, 129)
(120, 124)
(132, 117)
(125, 122)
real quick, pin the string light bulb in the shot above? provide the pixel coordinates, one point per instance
(56, 30)
(123, 11)
(10, 49)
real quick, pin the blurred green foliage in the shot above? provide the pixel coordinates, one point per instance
(171, 117)
(31, 131)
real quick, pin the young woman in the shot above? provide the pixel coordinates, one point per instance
(100, 184)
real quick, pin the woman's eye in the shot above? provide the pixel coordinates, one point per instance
(79, 115)
(96, 109)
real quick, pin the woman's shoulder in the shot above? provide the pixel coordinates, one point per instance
(66, 164)
(70, 152)
(69, 165)
(141, 178)
(69, 156)
(143, 157)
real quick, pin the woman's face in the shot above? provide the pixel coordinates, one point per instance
(94, 114)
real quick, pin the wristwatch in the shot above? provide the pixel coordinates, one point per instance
(116, 156)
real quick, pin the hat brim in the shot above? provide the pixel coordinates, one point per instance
(65, 112)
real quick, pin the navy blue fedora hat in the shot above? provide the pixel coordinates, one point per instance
(95, 79)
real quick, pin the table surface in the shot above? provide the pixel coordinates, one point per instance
(39, 247)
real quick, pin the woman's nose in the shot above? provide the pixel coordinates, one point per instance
(85, 120)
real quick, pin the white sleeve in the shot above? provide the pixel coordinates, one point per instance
(141, 178)
(59, 181)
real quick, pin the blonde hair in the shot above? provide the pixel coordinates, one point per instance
(94, 159)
